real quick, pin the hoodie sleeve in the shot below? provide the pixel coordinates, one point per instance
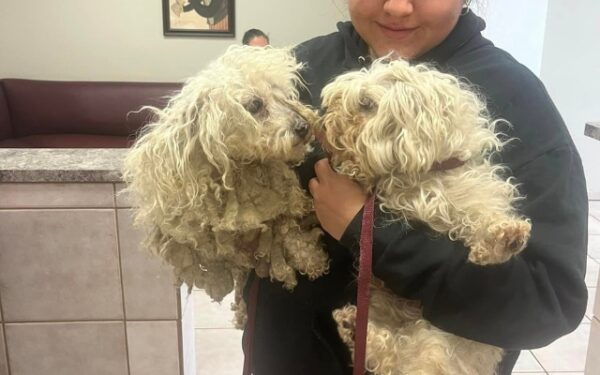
(537, 296)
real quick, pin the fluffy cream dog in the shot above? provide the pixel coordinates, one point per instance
(213, 181)
(421, 142)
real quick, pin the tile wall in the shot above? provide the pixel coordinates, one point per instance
(77, 294)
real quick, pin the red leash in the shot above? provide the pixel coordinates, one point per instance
(249, 337)
(364, 281)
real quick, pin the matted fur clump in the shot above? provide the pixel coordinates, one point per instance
(421, 142)
(212, 177)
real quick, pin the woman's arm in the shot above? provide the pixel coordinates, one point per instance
(527, 302)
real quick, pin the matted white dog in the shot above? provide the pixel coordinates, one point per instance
(421, 142)
(212, 178)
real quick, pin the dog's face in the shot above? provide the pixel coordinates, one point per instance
(245, 107)
(400, 119)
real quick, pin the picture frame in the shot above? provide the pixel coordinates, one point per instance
(199, 18)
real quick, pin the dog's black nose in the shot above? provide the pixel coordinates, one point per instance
(300, 128)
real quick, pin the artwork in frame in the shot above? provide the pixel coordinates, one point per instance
(199, 18)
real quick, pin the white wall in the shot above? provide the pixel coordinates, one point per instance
(571, 72)
(516, 26)
(558, 41)
(123, 40)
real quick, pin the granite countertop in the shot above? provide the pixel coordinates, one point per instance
(61, 164)
(89, 164)
(592, 129)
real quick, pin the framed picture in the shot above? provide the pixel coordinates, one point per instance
(199, 18)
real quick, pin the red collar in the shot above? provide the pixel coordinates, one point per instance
(447, 164)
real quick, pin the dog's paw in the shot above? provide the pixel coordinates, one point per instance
(305, 254)
(510, 236)
(290, 281)
(346, 323)
(285, 274)
(503, 240)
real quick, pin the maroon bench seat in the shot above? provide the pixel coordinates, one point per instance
(60, 114)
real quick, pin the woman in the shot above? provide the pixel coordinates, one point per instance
(255, 38)
(525, 303)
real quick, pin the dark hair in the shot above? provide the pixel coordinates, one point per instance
(253, 33)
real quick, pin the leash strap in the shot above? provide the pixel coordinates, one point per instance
(364, 281)
(249, 337)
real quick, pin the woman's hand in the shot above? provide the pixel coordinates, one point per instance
(337, 199)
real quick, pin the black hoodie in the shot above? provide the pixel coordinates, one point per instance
(525, 303)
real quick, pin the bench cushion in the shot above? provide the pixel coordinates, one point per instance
(82, 108)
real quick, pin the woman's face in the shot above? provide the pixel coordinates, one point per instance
(407, 27)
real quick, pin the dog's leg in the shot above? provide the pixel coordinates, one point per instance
(269, 260)
(346, 324)
(234, 248)
(262, 254)
(279, 269)
(216, 280)
(416, 347)
(303, 250)
(238, 306)
(388, 339)
(491, 233)
(503, 238)
(184, 259)
(386, 346)
(401, 342)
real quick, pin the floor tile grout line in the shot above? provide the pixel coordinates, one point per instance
(6, 347)
(538, 361)
(57, 208)
(179, 324)
(4, 336)
(561, 372)
(116, 213)
(116, 320)
(217, 329)
(594, 260)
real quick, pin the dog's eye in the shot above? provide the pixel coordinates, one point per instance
(254, 106)
(366, 104)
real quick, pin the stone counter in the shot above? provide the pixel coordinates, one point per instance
(78, 295)
(592, 129)
(61, 165)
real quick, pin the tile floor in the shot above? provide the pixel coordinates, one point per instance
(218, 344)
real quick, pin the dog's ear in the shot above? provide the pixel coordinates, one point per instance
(210, 123)
(175, 171)
(181, 154)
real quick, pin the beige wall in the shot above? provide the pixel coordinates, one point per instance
(123, 40)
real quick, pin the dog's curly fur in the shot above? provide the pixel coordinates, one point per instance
(212, 177)
(390, 128)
